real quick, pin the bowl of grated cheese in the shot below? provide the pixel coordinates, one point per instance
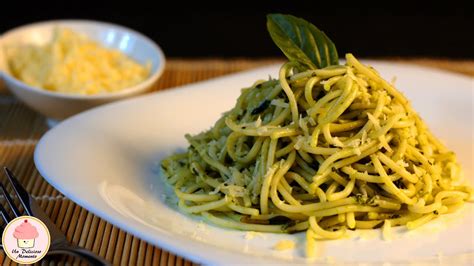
(60, 68)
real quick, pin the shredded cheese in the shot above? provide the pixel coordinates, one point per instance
(251, 234)
(72, 63)
(284, 245)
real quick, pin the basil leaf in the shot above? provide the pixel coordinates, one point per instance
(301, 41)
(261, 107)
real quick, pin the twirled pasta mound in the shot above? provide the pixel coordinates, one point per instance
(320, 150)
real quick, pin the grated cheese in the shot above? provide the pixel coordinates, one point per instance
(72, 63)
(251, 234)
(284, 245)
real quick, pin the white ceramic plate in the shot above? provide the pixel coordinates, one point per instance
(106, 160)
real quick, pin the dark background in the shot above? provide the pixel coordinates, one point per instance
(238, 29)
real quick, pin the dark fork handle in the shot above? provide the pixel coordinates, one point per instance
(79, 252)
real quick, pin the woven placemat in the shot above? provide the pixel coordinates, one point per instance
(21, 128)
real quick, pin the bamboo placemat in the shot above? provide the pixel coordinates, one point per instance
(21, 128)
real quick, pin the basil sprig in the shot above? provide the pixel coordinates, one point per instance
(301, 41)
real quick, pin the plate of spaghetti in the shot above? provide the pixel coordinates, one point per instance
(322, 161)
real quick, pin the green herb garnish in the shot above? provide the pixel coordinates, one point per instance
(261, 107)
(301, 41)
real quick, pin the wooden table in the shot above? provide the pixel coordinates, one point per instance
(21, 128)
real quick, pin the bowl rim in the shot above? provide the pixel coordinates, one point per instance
(109, 95)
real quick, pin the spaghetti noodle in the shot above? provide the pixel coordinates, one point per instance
(325, 150)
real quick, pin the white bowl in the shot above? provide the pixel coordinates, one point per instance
(58, 106)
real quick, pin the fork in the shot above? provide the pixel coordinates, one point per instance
(59, 244)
